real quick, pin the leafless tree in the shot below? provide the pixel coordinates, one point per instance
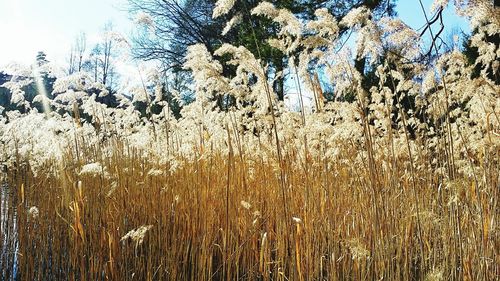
(81, 46)
(100, 62)
(177, 24)
(77, 53)
(107, 52)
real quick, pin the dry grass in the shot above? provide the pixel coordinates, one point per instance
(223, 218)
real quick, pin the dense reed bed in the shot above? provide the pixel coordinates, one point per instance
(396, 181)
(233, 217)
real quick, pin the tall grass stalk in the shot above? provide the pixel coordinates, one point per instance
(201, 232)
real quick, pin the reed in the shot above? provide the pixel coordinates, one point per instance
(401, 184)
(210, 220)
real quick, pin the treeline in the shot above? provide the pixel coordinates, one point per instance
(168, 27)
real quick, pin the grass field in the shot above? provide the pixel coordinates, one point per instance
(232, 216)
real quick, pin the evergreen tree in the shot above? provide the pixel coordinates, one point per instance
(180, 24)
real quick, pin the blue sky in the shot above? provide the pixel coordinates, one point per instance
(410, 12)
(29, 26)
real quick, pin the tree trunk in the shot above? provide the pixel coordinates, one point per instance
(278, 84)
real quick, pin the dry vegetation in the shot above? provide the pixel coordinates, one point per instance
(214, 219)
(374, 189)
